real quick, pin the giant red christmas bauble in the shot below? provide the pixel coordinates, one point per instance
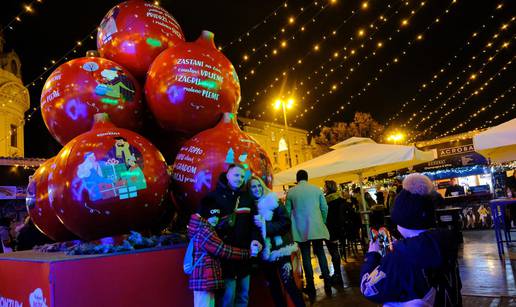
(204, 157)
(133, 33)
(39, 208)
(188, 87)
(108, 181)
(78, 89)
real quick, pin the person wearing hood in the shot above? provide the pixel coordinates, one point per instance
(239, 231)
(274, 223)
(206, 277)
(422, 269)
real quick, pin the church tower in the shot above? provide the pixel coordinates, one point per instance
(14, 102)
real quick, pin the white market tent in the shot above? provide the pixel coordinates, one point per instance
(498, 143)
(353, 159)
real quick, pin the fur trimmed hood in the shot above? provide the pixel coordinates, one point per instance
(266, 206)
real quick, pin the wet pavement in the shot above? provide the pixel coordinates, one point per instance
(487, 281)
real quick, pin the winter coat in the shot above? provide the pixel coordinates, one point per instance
(207, 275)
(415, 267)
(334, 222)
(278, 239)
(308, 210)
(242, 232)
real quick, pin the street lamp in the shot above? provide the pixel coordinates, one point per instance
(285, 105)
(396, 137)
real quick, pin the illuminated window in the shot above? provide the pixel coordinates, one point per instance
(14, 136)
(273, 136)
(282, 146)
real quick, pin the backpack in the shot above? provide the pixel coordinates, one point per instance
(188, 263)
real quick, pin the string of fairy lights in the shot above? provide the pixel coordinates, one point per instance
(247, 34)
(353, 69)
(316, 47)
(27, 9)
(470, 80)
(247, 56)
(475, 115)
(508, 112)
(425, 86)
(394, 60)
(459, 106)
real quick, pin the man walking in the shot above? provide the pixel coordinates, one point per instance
(308, 211)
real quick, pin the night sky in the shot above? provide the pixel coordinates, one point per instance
(338, 74)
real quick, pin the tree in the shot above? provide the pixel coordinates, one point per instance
(363, 125)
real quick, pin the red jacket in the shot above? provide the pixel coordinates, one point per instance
(207, 275)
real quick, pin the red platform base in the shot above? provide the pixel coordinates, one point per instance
(151, 277)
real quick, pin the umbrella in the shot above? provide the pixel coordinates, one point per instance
(354, 159)
(498, 143)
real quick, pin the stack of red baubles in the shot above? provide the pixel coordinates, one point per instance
(148, 99)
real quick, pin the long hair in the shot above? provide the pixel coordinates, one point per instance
(266, 190)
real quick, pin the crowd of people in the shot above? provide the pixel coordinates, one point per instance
(249, 226)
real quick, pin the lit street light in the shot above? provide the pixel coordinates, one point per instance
(285, 105)
(396, 137)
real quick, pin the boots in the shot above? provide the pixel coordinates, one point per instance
(336, 280)
(310, 290)
(327, 286)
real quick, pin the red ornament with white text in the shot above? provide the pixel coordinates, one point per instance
(78, 89)
(39, 208)
(133, 33)
(203, 158)
(108, 181)
(188, 87)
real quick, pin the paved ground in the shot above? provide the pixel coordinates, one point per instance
(487, 280)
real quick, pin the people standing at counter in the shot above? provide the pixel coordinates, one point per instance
(454, 189)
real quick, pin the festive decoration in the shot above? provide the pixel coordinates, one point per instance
(108, 181)
(78, 89)
(189, 86)
(444, 68)
(203, 158)
(133, 33)
(39, 208)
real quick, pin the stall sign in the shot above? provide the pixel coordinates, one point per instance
(457, 150)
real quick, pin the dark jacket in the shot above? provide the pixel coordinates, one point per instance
(416, 265)
(242, 232)
(207, 275)
(334, 221)
(278, 237)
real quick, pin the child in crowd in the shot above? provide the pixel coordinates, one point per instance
(207, 277)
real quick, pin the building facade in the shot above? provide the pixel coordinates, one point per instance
(275, 140)
(14, 102)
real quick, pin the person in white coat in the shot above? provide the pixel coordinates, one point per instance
(308, 210)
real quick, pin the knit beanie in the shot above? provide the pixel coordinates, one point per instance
(413, 206)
